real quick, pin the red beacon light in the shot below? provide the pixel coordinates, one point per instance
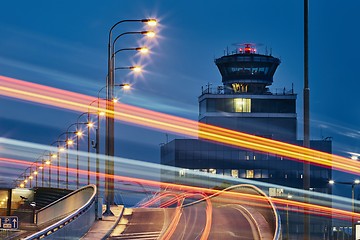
(248, 48)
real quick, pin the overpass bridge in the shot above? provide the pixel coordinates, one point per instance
(228, 214)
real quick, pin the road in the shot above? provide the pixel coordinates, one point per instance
(193, 216)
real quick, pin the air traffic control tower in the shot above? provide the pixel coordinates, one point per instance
(244, 102)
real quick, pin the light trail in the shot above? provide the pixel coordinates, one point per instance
(248, 198)
(133, 115)
(150, 170)
(179, 199)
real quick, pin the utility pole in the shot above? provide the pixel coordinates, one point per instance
(306, 143)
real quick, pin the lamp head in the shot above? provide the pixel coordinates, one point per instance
(150, 34)
(143, 50)
(136, 69)
(151, 21)
(79, 133)
(125, 86)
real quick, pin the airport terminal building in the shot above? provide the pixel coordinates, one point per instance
(245, 103)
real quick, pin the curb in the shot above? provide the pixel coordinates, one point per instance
(115, 224)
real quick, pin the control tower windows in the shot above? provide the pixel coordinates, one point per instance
(242, 104)
(247, 105)
(239, 87)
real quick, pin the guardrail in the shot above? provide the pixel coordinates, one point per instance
(80, 204)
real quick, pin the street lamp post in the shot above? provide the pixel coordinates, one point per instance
(109, 132)
(355, 182)
(306, 122)
(287, 218)
(97, 140)
(68, 142)
(59, 149)
(100, 113)
(89, 124)
(78, 134)
(58, 162)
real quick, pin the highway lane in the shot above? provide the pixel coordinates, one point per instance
(196, 217)
(228, 223)
(143, 223)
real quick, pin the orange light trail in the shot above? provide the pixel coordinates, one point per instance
(134, 115)
(313, 209)
(179, 198)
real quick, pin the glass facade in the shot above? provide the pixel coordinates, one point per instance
(3, 202)
(233, 105)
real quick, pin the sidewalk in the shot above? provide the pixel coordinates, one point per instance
(101, 229)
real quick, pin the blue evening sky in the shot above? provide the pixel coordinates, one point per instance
(64, 44)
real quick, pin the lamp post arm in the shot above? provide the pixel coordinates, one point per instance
(123, 49)
(126, 20)
(125, 33)
(82, 114)
(67, 130)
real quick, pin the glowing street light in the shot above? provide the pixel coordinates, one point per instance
(79, 133)
(90, 124)
(355, 182)
(143, 50)
(126, 86)
(136, 69)
(150, 34)
(150, 22)
(109, 137)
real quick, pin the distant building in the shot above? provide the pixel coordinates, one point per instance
(244, 103)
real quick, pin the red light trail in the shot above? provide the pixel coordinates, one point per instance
(134, 115)
(251, 199)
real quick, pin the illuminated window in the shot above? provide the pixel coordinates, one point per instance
(213, 171)
(249, 173)
(235, 173)
(242, 105)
